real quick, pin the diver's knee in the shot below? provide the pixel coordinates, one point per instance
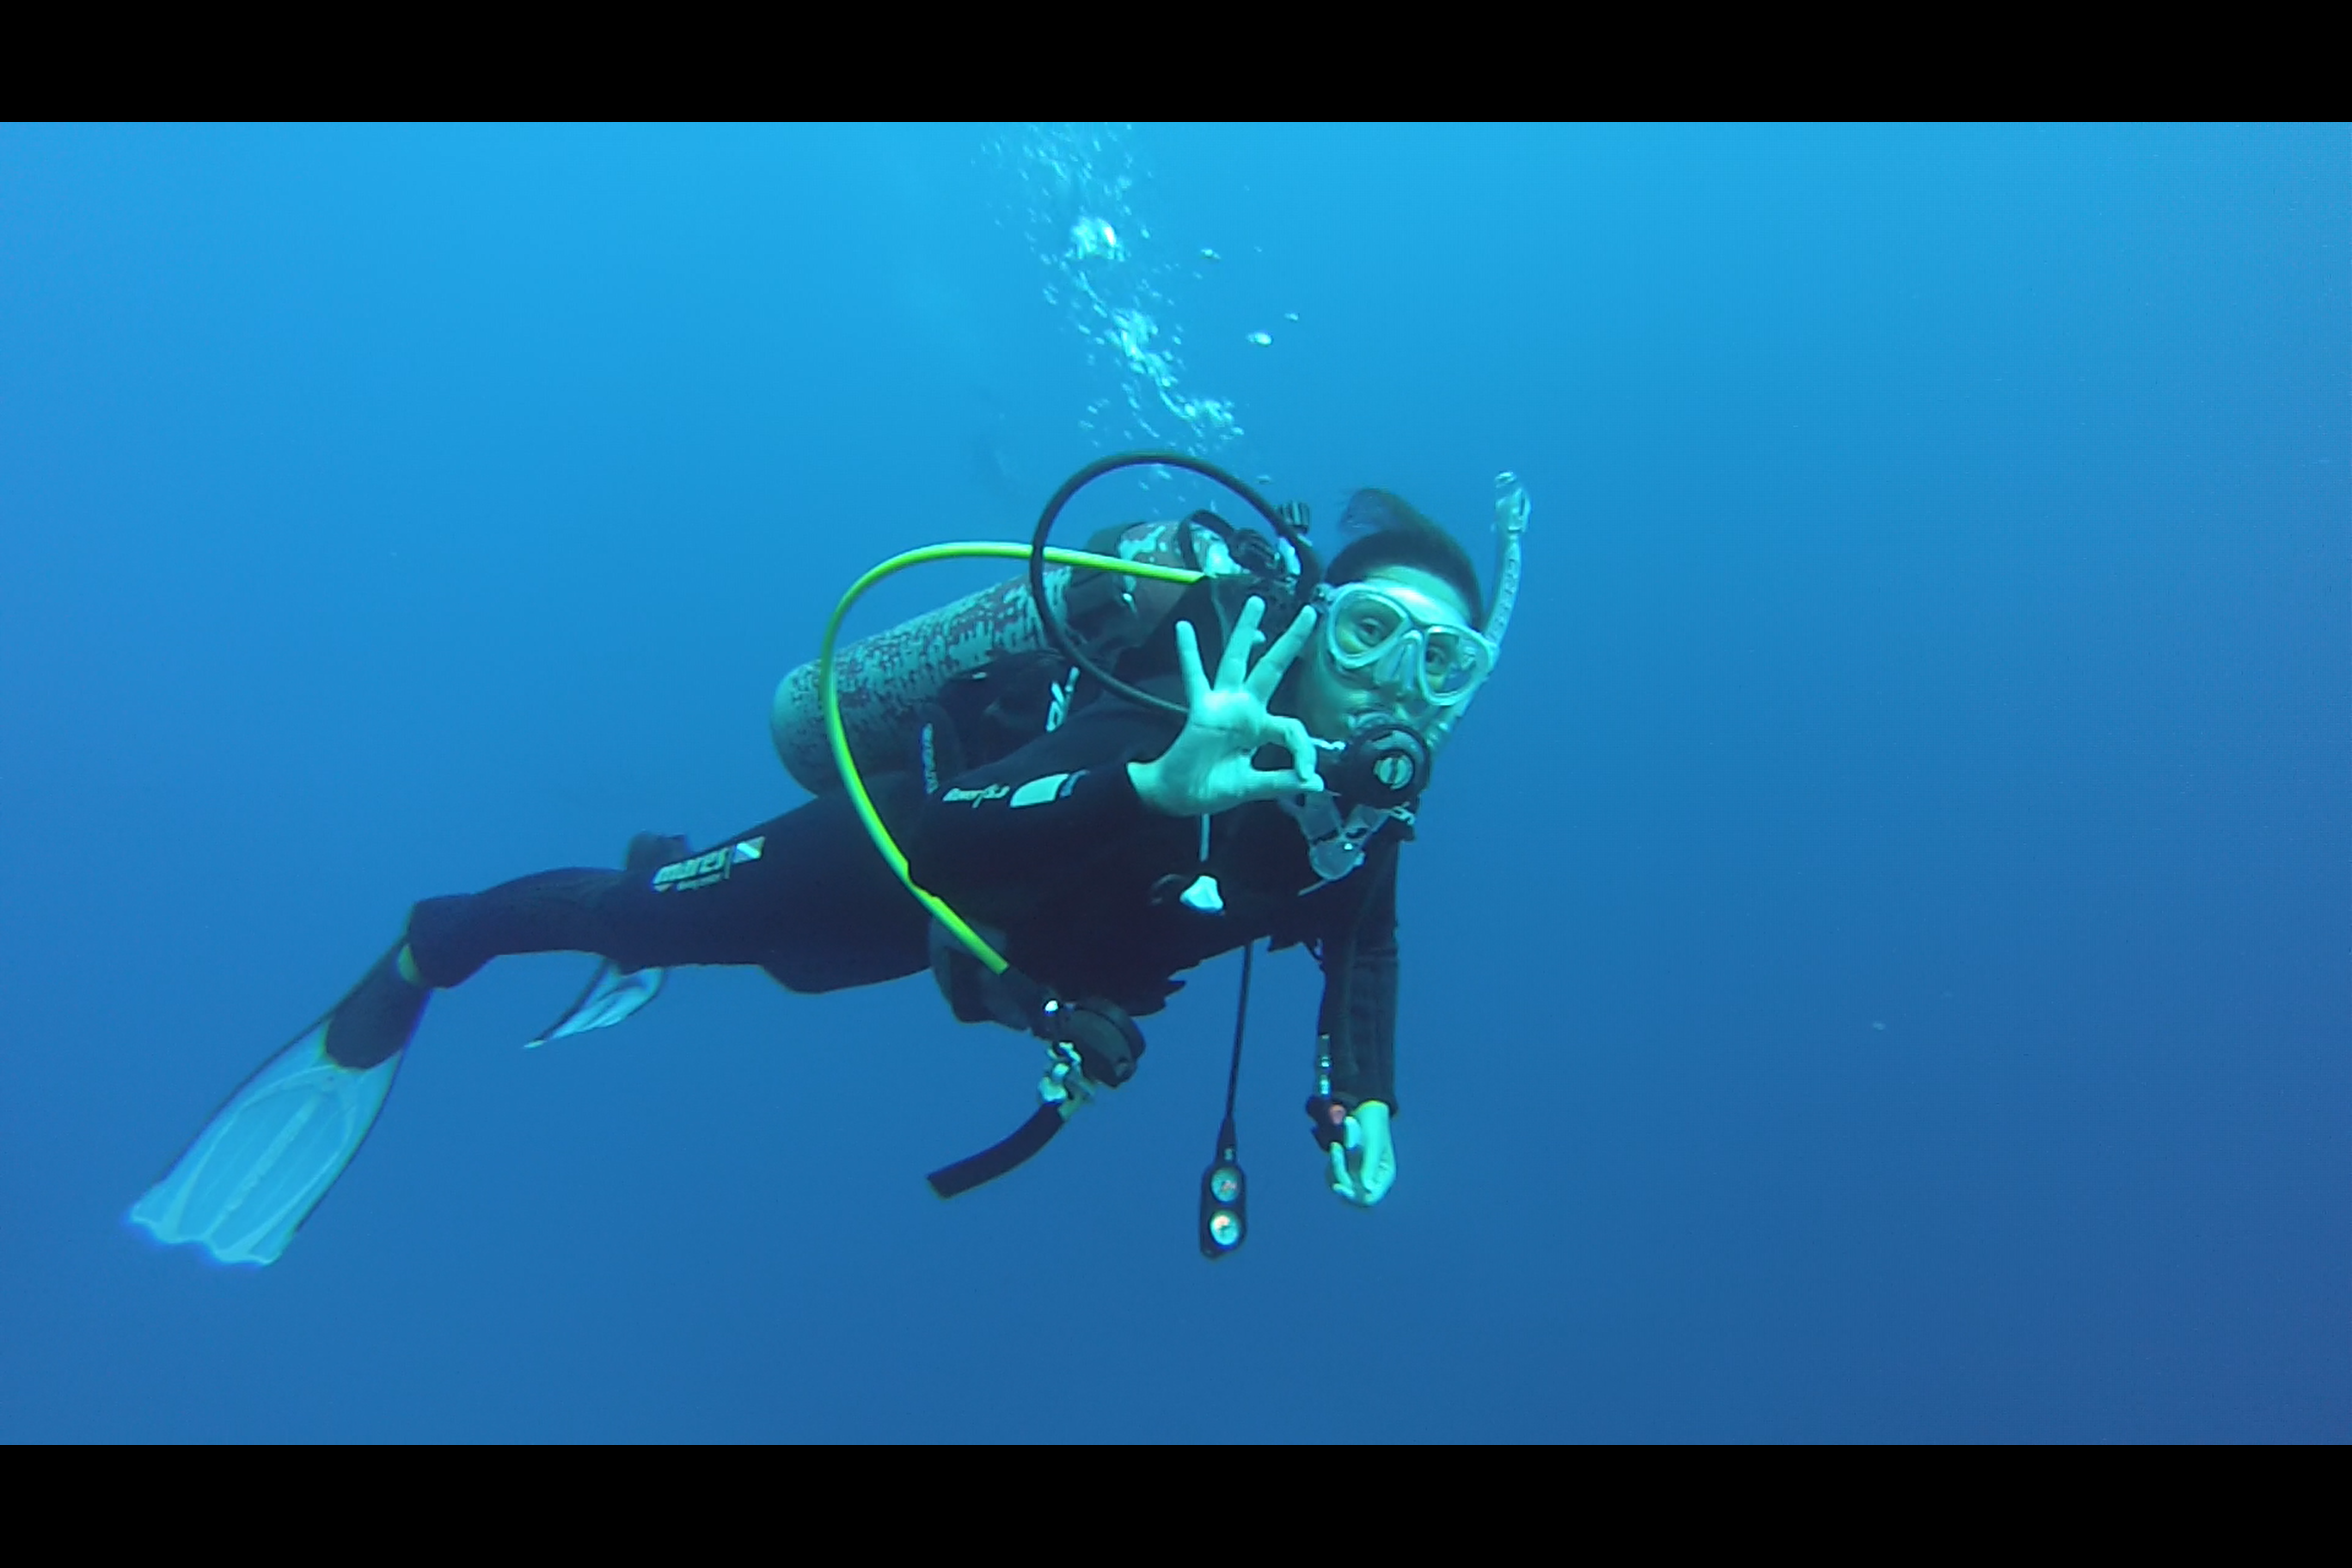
(435, 952)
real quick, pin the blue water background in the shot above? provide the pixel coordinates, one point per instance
(1875, 962)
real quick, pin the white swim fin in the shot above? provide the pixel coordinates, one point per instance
(611, 994)
(262, 1163)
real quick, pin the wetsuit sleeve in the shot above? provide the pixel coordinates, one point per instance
(1359, 992)
(1002, 840)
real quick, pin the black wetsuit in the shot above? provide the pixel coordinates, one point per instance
(1048, 845)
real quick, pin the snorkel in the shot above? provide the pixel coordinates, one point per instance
(1511, 511)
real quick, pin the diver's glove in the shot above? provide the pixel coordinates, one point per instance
(1209, 768)
(1363, 1162)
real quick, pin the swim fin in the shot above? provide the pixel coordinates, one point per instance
(258, 1168)
(612, 995)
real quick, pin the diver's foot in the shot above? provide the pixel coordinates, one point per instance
(371, 1025)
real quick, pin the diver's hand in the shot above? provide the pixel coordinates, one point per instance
(1363, 1164)
(1209, 769)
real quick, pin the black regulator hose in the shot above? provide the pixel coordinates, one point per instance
(1310, 566)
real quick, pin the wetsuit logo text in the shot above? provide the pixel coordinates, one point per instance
(701, 871)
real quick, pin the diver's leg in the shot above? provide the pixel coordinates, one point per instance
(806, 896)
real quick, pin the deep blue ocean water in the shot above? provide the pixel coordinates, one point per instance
(1875, 960)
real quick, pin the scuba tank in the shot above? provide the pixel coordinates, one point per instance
(886, 679)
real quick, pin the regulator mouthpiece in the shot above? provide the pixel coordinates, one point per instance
(1385, 764)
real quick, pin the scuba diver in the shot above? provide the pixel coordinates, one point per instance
(1056, 796)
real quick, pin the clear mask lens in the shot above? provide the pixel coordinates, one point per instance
(1366, 626)
(1371, 634)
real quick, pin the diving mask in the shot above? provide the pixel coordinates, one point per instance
(1402, 642)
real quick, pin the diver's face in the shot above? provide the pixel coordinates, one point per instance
(1329, 700)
